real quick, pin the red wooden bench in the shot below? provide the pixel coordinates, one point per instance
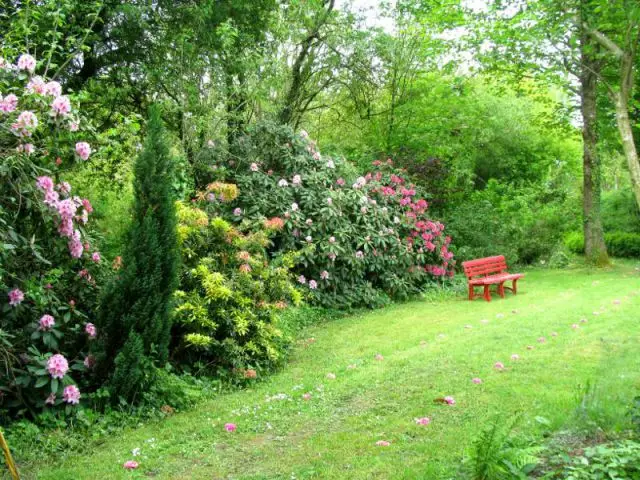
(489, 271)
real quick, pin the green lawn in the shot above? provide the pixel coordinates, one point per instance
(334, 434)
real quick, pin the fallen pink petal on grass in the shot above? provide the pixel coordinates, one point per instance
(530, 347)
(378, 357)
(554, 334)
(449, 400)
(383, 443)
(331, 376)
(575, 325)
(130, 465)
(306, 396)
(230, 427)
(498, 366)
(515, 356)
(476, 380)
(542, 340)
(422, 421)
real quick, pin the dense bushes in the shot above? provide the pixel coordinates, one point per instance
(227, 317)
(524, 224)
(619, 244)
(362, 239)
(49, 268)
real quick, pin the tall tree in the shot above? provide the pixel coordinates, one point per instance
(135, 310)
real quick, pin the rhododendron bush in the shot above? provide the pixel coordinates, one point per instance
(48, 265)
(362, 239)
(227, 315)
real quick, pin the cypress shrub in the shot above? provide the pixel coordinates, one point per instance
(135, 309)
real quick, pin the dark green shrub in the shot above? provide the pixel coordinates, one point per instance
(135, 310)
(619, 244)
(620, 212)
(618, 460)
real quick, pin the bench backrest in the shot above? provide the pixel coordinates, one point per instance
(482, 267)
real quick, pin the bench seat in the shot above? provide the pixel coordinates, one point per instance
(484, 272)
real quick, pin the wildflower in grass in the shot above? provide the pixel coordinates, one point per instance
(449, 400)
(515, 357)
(16, 296)
(230, 427)
(130, 465)
(422, 421)
(57, 366)
(46, 323)
(331, 376)
(71, 395)
(379, 357)
(542, 340)
(383, 443)
(498, 366)
(476, 380)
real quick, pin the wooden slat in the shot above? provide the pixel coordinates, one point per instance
(484, 266)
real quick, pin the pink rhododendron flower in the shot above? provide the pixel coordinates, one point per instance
(254, 167)
(57, 366)
(27, 148)
(297, 180)
(53, 88)
(27, 62)
(51, 399)
(294, 207)
(332, 239)
(74, 126)
(449, 400)
(51, 198)
(9, 103)
(324, 275)
(95, 256)
(498, 366)
(340, 182)
(332, 256)
(476, 380)
(89, 361)
(302, 279)
(83, 150)
(230, 427)
(71, 394)
(65, 229)
(542, 340)
(329, 201)
(36, 85)
(64, 187)
(313, 284)
(46, 323)
(283, 183)
(75, 245)
(15, 297)
(87, 205)
(379, 357)
(91, 330)
(130, 465)
(237, 211)
(26, 122)
(61, 106)
(422, 421)
(67, 208)
(359, 254)
(309, 239)
(245, 268)
(383, 443)
(515, 356)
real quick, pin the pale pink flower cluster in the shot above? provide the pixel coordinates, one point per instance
(25, 124)
(313, 284)
(71, 395)
(83, 150)
(57, 366)
(9, 103)
(254, 167)
(46, 323)
(27, 62)
(61, 107)
(91, 330)
(237, 212)
(16, 296)
(324, 275)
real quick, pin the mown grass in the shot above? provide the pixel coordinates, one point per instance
(334, 434)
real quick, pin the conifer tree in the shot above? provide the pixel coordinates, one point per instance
(135, 310)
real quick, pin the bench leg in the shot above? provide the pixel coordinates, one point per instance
(515, 287)
(501, 289)
(471, 292)
(487, 294)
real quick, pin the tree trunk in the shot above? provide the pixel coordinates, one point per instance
(594, 246)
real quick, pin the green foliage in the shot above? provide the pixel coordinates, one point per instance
(136, 306)
(497, 455)
(620, 212)
(619, 460)
(362, 240)
(227, 314)
(524, 224)
(619, 244)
